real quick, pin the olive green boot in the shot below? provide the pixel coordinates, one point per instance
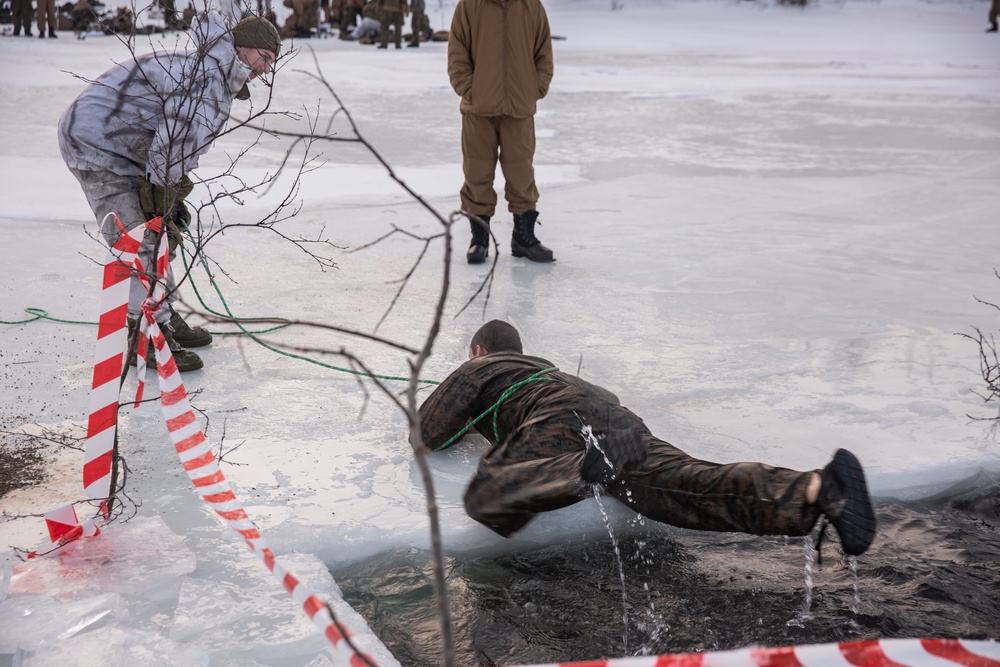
(185, 359)
(185, 335)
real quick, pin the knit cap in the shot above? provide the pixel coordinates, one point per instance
(257, 33)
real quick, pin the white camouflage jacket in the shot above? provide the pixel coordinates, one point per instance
(154, 115)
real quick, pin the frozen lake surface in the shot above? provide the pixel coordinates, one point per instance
(771, 224)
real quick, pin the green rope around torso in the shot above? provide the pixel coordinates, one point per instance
(495, 408)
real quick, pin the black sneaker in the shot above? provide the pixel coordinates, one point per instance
(185, 335)
(185, 359)
(614, 453)
(844, 499)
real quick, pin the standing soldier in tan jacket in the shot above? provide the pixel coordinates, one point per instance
(500, 63)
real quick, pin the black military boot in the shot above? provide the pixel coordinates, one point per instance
(524, 243)
(479, 249)
(185, 335)
(844, 499)
(185, 359)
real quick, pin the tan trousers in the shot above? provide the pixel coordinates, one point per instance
(484, 138)
(46, 8)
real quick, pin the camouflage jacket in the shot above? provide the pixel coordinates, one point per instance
(154, 115)
(541, 418)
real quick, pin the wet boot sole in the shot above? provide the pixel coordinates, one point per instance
(856, 522)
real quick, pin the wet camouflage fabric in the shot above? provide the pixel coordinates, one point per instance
(534, 464)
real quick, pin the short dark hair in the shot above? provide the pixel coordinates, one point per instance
(497, 336)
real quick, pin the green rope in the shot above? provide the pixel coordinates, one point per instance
(40, 314)
(253, 334)
(495, 408)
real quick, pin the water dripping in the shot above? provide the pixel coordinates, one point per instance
(853, 625)
(618, 557)
(805, 614)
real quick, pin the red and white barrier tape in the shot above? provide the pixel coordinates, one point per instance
(188, 439)
(874, 653)
(206, 476)
(108, 363)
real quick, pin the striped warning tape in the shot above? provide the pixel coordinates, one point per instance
(203, 469)
(112, 340)
(874, 653)
(185, 433)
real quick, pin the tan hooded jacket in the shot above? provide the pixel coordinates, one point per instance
(500, 56)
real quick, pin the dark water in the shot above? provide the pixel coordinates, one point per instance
(933, 571)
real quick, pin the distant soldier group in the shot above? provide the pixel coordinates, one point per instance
(357, 20)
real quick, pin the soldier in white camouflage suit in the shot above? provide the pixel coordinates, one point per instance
(133, 136)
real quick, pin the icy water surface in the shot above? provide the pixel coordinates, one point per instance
(934, 571)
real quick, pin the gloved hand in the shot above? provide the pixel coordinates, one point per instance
(175, 223)
(152, 199)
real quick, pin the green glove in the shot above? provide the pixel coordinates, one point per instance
(152, 197)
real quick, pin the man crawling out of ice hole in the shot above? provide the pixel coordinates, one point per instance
(555, 435)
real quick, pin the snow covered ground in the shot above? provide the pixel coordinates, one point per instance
(770, 225)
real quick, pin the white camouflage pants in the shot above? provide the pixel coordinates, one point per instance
(110, 193)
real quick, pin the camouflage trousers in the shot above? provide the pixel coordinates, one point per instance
(419, 23)
(389, 18)
(106, 193)
(669, 486)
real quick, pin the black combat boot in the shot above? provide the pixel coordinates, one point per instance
(185, 359)
(524, 243)
(844, 499)
(479, 249)
(52, 34)
(992, 28)
(185, 335)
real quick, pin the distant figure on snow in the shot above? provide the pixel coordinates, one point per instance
(555, 435)
(419, 23)
(46, 14)
(21, 11)
(500, 64)
(391, 13)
